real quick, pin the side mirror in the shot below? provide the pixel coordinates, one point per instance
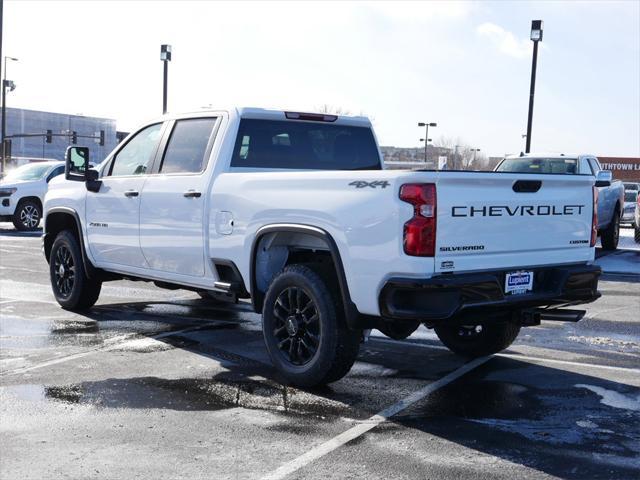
(603, 178)
(76, 163)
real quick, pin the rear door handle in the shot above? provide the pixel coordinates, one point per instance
(131, 193)
(192, 194)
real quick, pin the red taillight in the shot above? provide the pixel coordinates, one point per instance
(420, 231)
(594, 219)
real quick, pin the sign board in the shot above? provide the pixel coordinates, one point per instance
(622, 168)
(442, 163)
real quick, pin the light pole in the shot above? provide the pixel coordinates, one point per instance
(12, 86)
(426, 135)
(165, 56)
(536, 36)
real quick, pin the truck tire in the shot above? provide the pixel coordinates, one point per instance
(478, 340)
(27, 216)
(636, 233)
(610, 235)
(71, 287)
(304, 330)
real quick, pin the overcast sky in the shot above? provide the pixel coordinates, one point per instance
(463, 65)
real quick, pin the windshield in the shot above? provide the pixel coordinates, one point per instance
(31, 171)
(630, 196)
(539, 165)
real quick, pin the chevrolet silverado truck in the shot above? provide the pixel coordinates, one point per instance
(610, 192)
(295, 213)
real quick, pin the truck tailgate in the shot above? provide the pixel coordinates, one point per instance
(503, 220)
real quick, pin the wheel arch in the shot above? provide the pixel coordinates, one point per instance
(302, 238)
(33, 198)
(64, 218)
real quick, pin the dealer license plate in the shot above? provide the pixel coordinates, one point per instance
(518, 283)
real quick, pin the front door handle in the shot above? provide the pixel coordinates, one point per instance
(131, 193)
(192, 194)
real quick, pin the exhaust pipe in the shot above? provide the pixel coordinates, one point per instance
(534, 316)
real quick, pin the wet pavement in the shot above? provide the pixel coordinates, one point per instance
(161, 384)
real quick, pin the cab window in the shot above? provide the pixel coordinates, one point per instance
(187, 146)
(136, 156)
(55, 172)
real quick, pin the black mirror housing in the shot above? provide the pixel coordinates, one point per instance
(603, 178)
(76, 163)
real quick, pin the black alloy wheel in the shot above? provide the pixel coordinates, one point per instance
(297, 326)
(64, 271)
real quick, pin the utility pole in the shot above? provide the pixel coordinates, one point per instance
(536, 36)
(5, 84)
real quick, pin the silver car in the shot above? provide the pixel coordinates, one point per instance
(628, 214)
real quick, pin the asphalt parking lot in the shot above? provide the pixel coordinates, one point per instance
(161, 384)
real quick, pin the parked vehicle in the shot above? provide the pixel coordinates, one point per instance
(636, 227)
(630, 197)
(294, 212)
(610, 192)
(22, 193)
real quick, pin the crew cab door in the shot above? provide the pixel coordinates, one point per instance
(172, 219)
(113, 212)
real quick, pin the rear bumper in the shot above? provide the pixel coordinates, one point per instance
(449, 296)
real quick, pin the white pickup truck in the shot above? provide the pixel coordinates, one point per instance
(295, 212)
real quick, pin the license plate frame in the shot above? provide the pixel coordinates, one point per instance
(519, 282)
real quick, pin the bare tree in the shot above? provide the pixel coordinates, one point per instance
(460, 155)
(327, 108)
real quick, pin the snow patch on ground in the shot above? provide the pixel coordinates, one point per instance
(614, 399)
(142, 345)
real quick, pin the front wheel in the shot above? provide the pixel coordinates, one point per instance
(636, 233)
(71, 287)
(304, 329)
(478, 340)
(27, 216)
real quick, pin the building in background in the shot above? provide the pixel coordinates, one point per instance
(623, 168)
(32, 122)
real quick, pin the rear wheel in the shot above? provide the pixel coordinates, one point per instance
(27, 216)
(304, 329)
(478, 340)
(636, 233)
(611, 234)
(71, 287)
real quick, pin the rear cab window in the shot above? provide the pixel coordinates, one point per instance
(304, 145)
(567, 166)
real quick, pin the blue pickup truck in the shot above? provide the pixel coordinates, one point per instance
(610, 192)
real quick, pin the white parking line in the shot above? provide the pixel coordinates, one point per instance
(372, 422)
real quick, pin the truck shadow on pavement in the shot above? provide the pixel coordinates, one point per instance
(555, 421)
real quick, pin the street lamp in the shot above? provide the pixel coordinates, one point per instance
(11, 86)
(426, 135)
(165, 56)
(536, 36)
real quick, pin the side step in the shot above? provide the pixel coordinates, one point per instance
(534, 316)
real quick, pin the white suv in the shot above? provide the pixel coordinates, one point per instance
(22, 193)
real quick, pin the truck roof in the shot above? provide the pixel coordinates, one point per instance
(550, 155)
(272, 114)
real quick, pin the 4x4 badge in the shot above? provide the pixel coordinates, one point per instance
(374, 184)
